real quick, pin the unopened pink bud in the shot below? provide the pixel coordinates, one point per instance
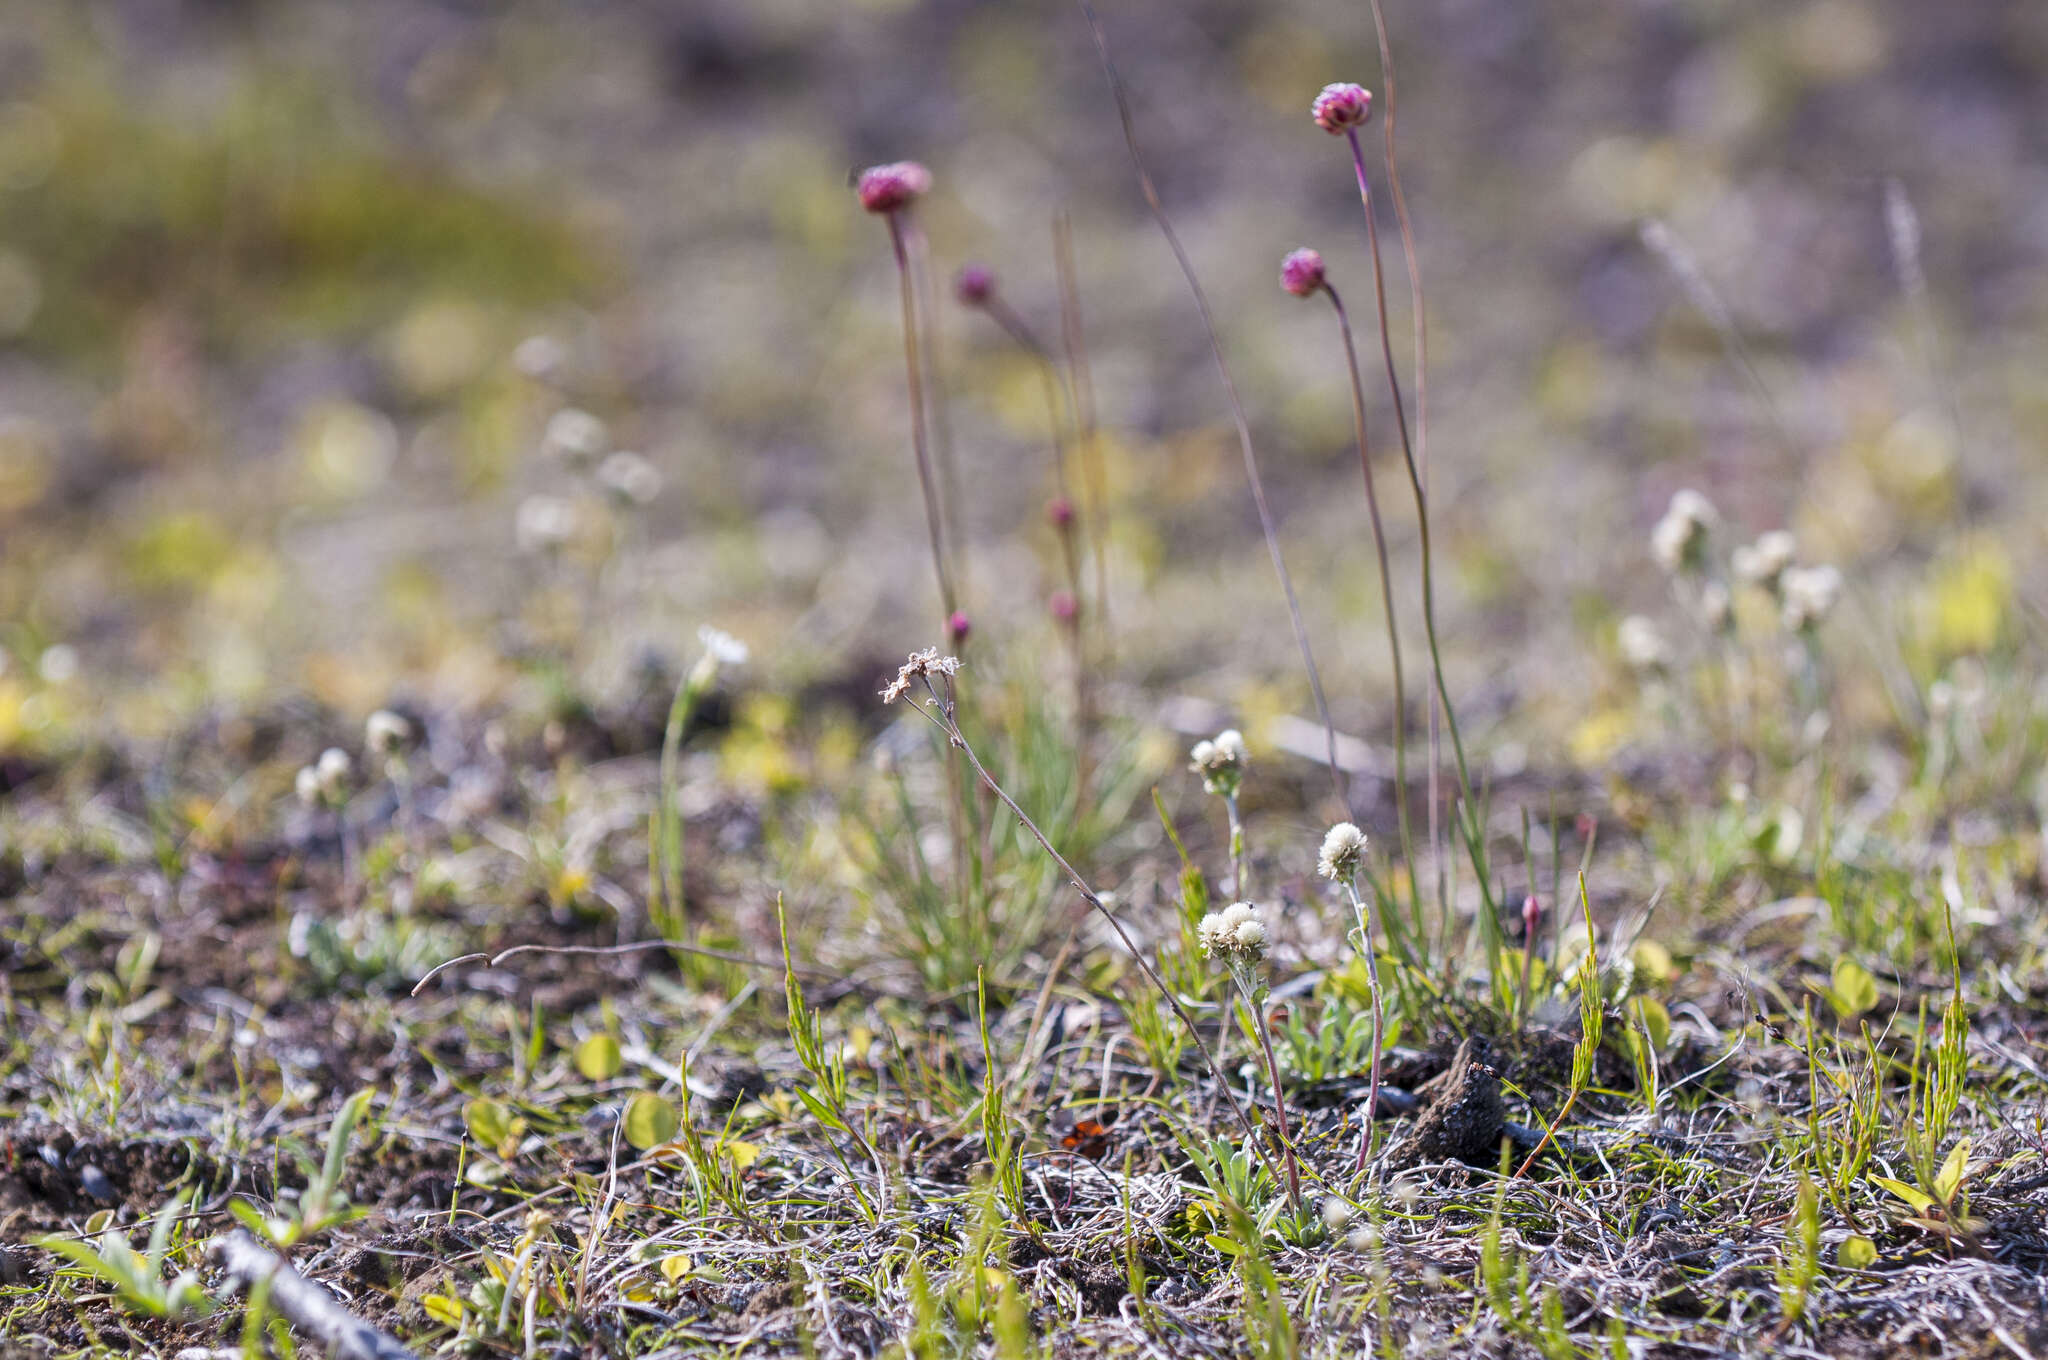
(887, 188)
(974, 285)
(1063, 606)
(1532, 917)
(1301, 273)
(958, 627)
(1060, 511)
(1342, 107)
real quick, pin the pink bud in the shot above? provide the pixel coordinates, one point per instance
(887, 188)
(974, 285)
(1342, 107)
(1060, 511)
(1301, 273)
(1063, 606)
(957, 627)
(1532, 917)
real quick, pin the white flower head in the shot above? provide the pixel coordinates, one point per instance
(1221, 761)
(1234, 936)
(1343, 848)
(1642, 646)
(576, 436)
(720, 649)
(543, 523)
(1679, 540)
(1761, 563)
(729, 650)
(332, 770)
(384, 732)
(307, 785)
(630, 478)
(1809, 594)
(539, 356)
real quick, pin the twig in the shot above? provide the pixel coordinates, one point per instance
(304, 1303)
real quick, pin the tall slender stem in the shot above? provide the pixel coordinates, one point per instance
(1244, 430)
(1474, 841)
(919, 440)
(1081, 385)
(1379, 542)
(1364, 913)
(1419, 317)
(1256, 1013)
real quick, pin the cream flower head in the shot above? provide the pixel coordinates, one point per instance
(1680, 537)
(1809, 594)
(1221, 761)
(1343, 848)
(1642, 646)
(1761, 563)
(1234, 936)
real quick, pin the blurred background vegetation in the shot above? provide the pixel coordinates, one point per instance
(290, 294)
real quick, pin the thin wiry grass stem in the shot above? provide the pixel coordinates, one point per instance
(1081, 387)
(940, 712)
(919, 439)
(1419, 316)
(1379, 542)
(1366, 931)
(1237, 415)
(1475, 845)
(930, 353)
(1059, 412)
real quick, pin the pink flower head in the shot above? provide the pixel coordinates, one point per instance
(1060, 511)
(1532, 917)
(1063, 606)
(974, 285)
(1342, 107)
(888, 188)
(957, 627)
(1301, 273)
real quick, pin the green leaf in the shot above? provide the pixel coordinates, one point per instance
(1851, 989)
(650, 1121)
(1913, 1195)
(488, 1121)
(1856, 1253)
(598, 1058)
(1950, 1178)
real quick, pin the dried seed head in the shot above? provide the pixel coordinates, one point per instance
(1679, 541)
(921, 666)
(1642, 646)
(974, 284)
(1341, 107)
(1343, 849)
(1301, 273)
(1234, 936)
(1764, 561)
(1809, 595)
(890, 188)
